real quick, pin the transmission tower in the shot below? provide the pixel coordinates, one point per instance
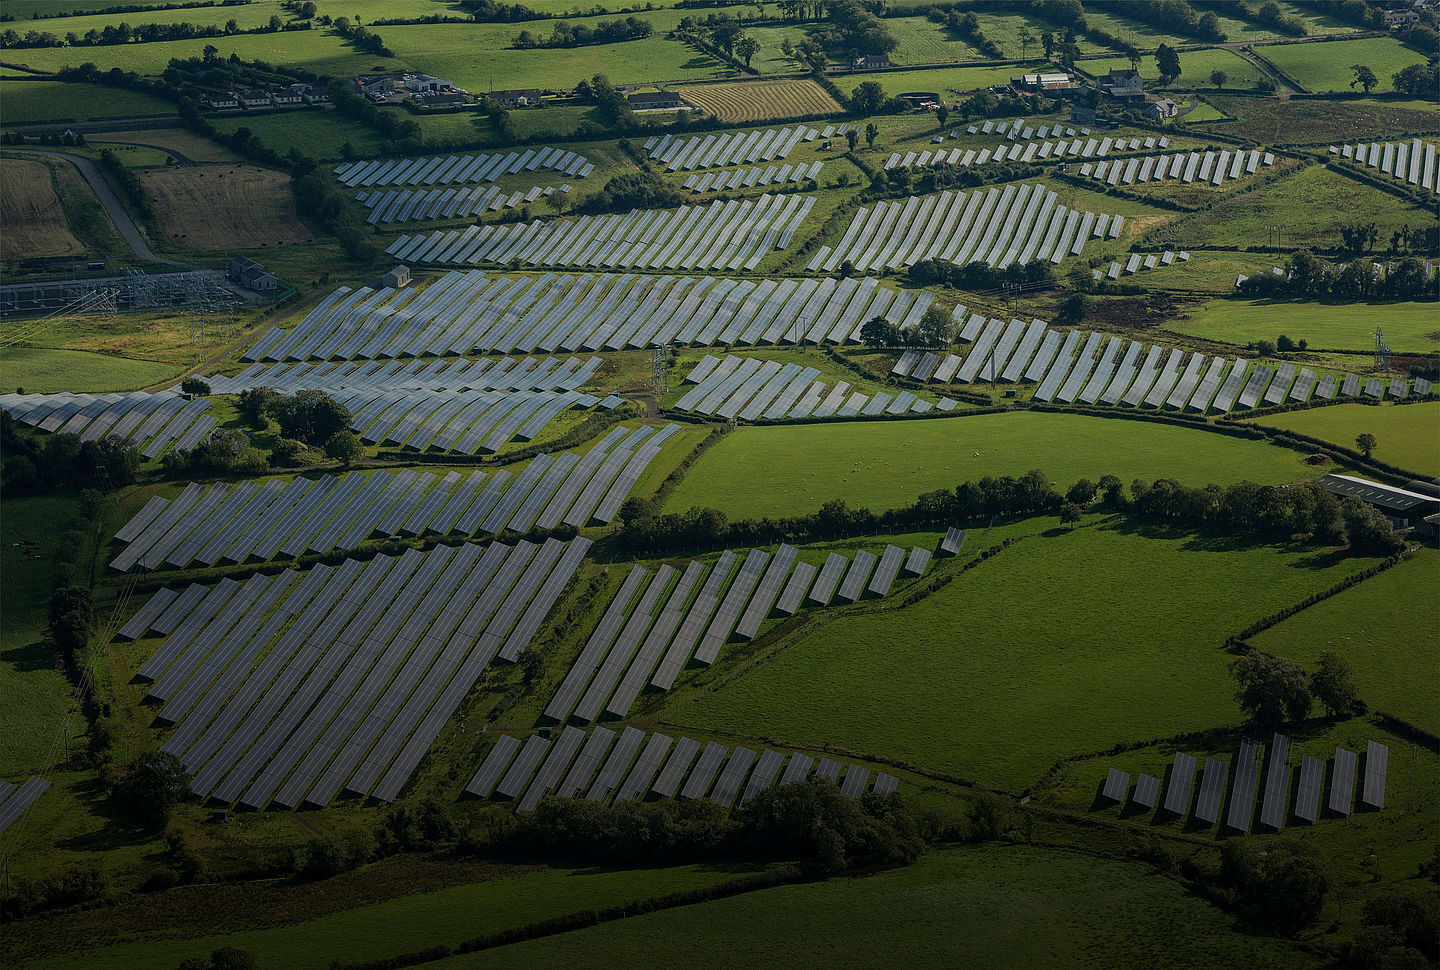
(660, 372)
(1382, 353)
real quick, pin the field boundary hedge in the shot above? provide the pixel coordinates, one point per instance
(1240, 642)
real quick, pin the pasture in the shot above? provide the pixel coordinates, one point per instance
(1338, 326)
(1271, 122)
(189, 144)
(1376, 627)
(27, 101)
(945, 80)
(922, 41)
(216, 207)
(1327, 66)
(792, 470)
(31, 213)
(1195, 67)
(990, 905)
(43, 370)
(1310, 205)
(1065, 643)
(319, 134)
(1407, 436)
(758, 101)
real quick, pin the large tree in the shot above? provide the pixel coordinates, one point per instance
(1333, 683)
(1270, 690)
(1167, 61)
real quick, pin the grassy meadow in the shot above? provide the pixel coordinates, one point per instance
(1407, 436)
(1270, 122)
(25, 101)
(1066, 642)
(1408, 327)
(993, 906)
(948, 81)
(793, 470)
(1327, 66)
(43, 370)
(1195, 67)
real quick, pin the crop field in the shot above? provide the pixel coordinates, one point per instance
(1310, 205)
(1407, 436)
(56, 101)
(761, 100)
(788, 470)
(1326, 66)
(1341, 326)
(46, 371)
(1195, 67)
(210, 207)
(31, 213)
(973, 680)
(945, 80)
(995, 906)
(1319, 122)
(922, 41)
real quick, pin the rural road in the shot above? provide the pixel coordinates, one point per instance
(128, 230)
(180, 157)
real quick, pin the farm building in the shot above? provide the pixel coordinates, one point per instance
(373, 84)
(1123, 85)
(396, 278)
(1054, 81)
(425, 83)
(1401, 506)
(920, 99)
(871, 61)
(252, 275)
(443, 99)
(521, 98)
(252, 98)
(1160, 108)
(642, 100)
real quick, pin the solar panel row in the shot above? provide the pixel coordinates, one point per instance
(1413, 162)
(728, 148)
(413, 205)
(358, 667)
(997, 226)
(747, 388)
(456, 169)
(153, 421)
(746, 177)
(450, 374)
(1042, 151)
(15, 799)
(1211, 167)
(599, 767)
(723, 234)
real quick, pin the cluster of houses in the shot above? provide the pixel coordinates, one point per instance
(431, 92)
(233, 98)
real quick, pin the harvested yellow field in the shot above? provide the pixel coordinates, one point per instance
(218, 207)
(31, 213)
(761, 100)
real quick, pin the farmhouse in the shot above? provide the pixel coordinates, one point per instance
(285, 96)
(1401, 506)
(1123, 85)
(520, 98)
(373, 84)
(223, 101)
(442, 99)
(1160, 108)
(871, 61)
(252, 98)
(642, 100)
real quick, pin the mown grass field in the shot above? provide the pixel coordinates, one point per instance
(1327, 66)
(216, 207)
(944, 80)
(1379, 627)
(922, 41)
(1408, 327)
(1195, 67)
(1269, 122)
(1407, 436)
(409, 922)
(1310, 205)
(31, 213)
(56, 101)
(1317, 24)
(992, 906)
(761, 100)
(1065, 643)
(189, 144)
(320, 134)
(793, 470)
(33, 722)
(43, 370)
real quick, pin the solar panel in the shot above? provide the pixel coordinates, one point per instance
(828, 769)
(729, 613)
(646, 767)
(1182, 775)
(1277, 784)
(1242, 798)
(1117, 783)
(21, 799)
(1377, 757)
(675, 768)
(764, 774)
(616, 765)
(885, 784)
(797, 770)
(1342, 782)
(1147, 790)
(698, 784)
(1307, 797)
(885, 573)
(495, 763)
(859, 571)
(727, 786)
(828, 579)
(518, 776)
(953, 541)
(767, 592)
(578, 778)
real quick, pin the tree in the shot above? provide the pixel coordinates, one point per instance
(344, 447)
(155, 784)
(935, 329)
(1075, 308)
(1364, 77)
(1398, 928)
(1271, 690)
(1070, 514)
(1333, 683)
(194, 385)
(871, 133)
(311, 416)
(1218, 78)
(1369, 532)
(942, 115)
(746, 47)
(1366, 442)
(867, 98)
(1082, 492)
(1265, 348)
(1047, 41)
(877, 332)
(852, 137)
(1284, 882)
(1167, 60)
(1026, 39)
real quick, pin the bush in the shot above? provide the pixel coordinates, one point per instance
(1282, 882)
(155, 784)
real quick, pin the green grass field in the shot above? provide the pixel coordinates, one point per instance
(1065, 643)
(25, 101)
(1268, 121)
(1407, 436)
(1327, 66)
(32, 718)
(922, 41)
(1310, 204)
(982, 906)
(45, 371)
(409, 922)
(792, 470)
(1408, 327)
(317, 133)
(945, 80)
(1374, 626)
(1195, 67)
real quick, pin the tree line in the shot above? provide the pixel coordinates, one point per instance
(605, 32)
(1309, 277)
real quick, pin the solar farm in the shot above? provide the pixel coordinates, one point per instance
(693, 486)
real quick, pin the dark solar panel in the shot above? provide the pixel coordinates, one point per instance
(1117, 783)
(1277, 784)
(1307, 798)
(1182, 775)
(1377, 757)
(1212, 790)
(1247, 777)
(495, 763)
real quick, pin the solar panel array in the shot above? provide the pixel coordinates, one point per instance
(748, 389)
(457, 169)
(15, 799)
(1412, 162)
(602, 768)
(720, 235)
(294, 687)
(728, 148)
(746, 177)
(1137, 262)
(999, 226)
(1041, 151)
(154, 422)
(1276, 796)
(250, 521)
(450, 374)
(414, 205)
(660, 620)
(1209, 167)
